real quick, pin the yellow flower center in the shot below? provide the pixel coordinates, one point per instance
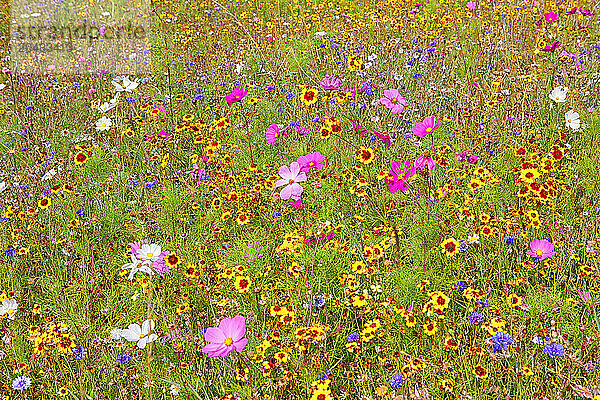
(311, 164)
(428, 129)
(141, 336)
(11, 311)
(291, 182)
(228, 341)
(539, 252)
(394, 101)
(150, 254)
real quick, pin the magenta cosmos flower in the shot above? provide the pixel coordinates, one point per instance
(541, 249)
(311, 160)
(236, 95)
(274, 133)
(426, 127)
(400, 173)
(227, 336)
(290, 176)
(393, 101)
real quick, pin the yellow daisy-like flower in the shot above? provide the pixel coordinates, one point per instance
(365, 155)
(44, 203)
(309, 96)
(242, 284)
(450, 246)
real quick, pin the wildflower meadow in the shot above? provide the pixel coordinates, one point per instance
(299, 199)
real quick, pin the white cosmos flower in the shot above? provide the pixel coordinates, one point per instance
(125, 84)
(149, 252)
(8, 309)
(136, 266)
(49, 175)
(141, 335)
(103, 124)
(115, 333)
(109, 105)
(572, 120)
(559, 94)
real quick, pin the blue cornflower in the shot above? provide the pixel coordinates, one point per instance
(76, 85)
(79, 212)
(462, 245)
(460, 286)
(353, 337)
(483, 304)
(417, 76)
(476, 318)
(270, 88)
(123, 358)
(326, 374)
(372, 138)
(198, 96)
(397, 380)
(501, 341)
(316, 119)
(131, 99)
(323, 45)
(407, 135)
(9, 252)
(511, 239)
(277, 214)
(554, 350)
(236, 83)
(45, 193)
(21, 383)
(79, 352)
(335, 46)
(290, 95)
(319, 302)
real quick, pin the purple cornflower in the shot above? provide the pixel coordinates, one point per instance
(353, 337)
(501, 341)
(123, 358)
(397, 380)
(554, 350)
(476, 318)
(79, 352)
(21, 383)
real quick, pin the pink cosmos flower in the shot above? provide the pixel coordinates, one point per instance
(301, 131)
(236, 95)
(471, 5)
(330, 82)
(400, 172)
(541, 249)
(359, 129)
(393, 101)
(550, 17)
(426, 127)
(385, 138)
(310, 161)
(424, 160)
(229, 335)
(272, 134)
(196, 173)
(290, 176)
